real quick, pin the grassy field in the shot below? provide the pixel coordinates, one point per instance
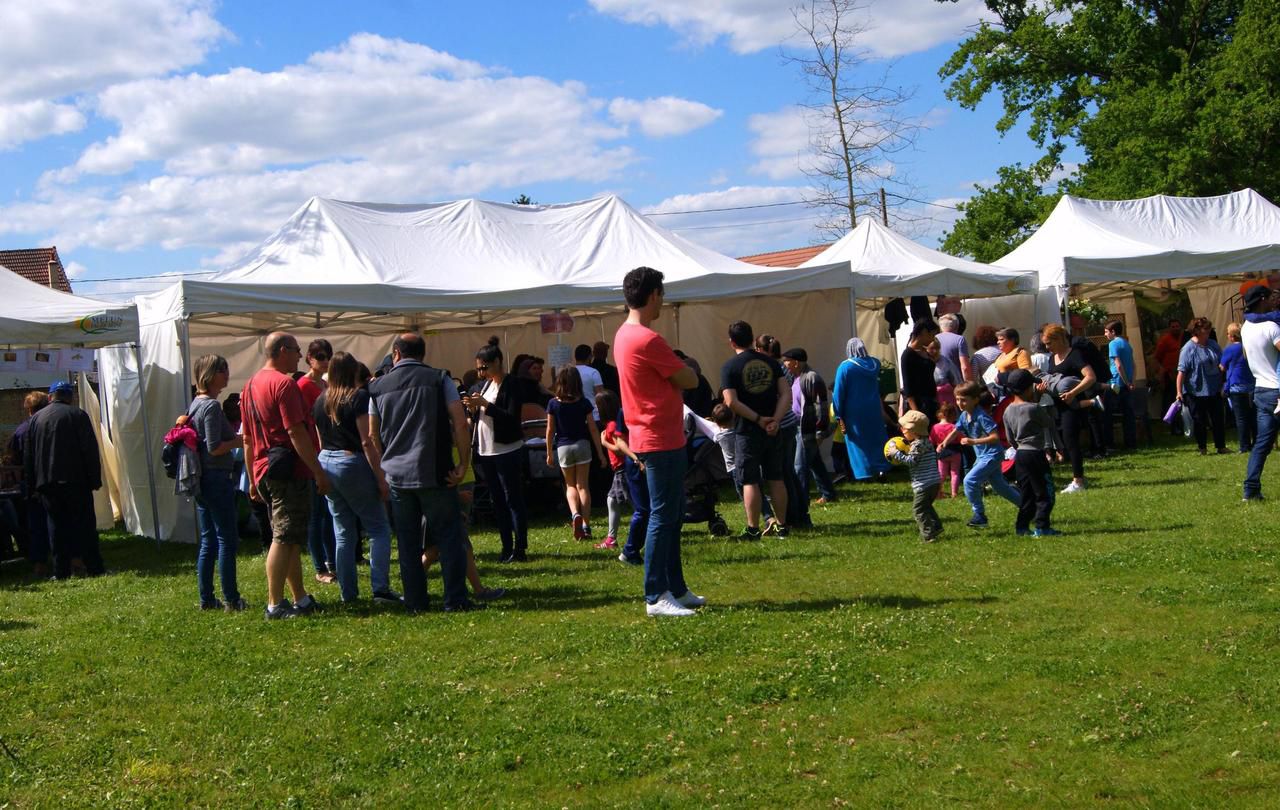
(1133, 659)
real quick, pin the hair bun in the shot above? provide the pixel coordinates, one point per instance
(493, 340)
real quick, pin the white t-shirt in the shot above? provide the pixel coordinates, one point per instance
(591, 380)
(485, 445)
(1259, 342)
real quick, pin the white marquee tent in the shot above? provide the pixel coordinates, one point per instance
(41, 317)
(358, 273)
(887, 265)
(1115, 244)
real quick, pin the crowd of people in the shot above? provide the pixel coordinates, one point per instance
(334, 456)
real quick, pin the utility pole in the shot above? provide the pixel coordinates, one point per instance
(884, 208)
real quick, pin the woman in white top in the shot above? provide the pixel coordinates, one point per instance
(500, 447)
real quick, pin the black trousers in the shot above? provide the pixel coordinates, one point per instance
(73, 528)
(1206, 412)
(1073, 421)
(1035, 480)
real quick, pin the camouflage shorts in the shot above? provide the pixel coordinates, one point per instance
(290, 503)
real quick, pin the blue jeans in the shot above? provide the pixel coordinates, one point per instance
(664, 473)
(219, 537)
(1264, 402)
(797, 499)
(810, 466)
(1246, 419)
(638, 487)
(504, 475)
(320, 539)
(986, 468)
(440, 508)
(353, 500)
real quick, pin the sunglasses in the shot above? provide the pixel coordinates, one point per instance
(482, 368)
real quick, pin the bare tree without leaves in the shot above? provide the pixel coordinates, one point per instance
(855, 124)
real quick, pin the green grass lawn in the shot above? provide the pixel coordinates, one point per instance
(1133, 659)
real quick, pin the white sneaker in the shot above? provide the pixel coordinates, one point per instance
(667, 606)
(1074, 486)
(691, 600)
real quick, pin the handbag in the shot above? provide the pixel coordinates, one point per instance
(1171, 415)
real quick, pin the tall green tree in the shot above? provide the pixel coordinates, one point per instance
(999, 217)
(1163, 96)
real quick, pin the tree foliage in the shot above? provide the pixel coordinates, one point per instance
(855, 116)
(1163, 96)
(1001, 216)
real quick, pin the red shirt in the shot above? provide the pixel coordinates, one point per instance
(611, 434)
(311, 393)
(271, 404)
(653, 406)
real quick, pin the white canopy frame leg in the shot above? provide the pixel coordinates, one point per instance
(146, 431)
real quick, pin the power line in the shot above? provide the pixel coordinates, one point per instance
(731, 208)
(742, 224)
(154, 279)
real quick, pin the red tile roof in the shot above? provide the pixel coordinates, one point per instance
(785, 258)
(33, 265)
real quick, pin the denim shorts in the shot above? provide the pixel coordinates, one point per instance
(574, 455)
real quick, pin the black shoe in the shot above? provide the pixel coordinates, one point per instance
(464, 607)
(490, 594)
(214, 605)
(306, 605)
(507, 556)
(388, 598)
(749, 533)
(520, 556)
(781, 531)
(236, 606)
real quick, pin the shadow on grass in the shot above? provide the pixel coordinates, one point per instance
(878, 600)
(559, 598)
(14, 624)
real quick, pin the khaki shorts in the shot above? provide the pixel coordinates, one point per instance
(290, 503)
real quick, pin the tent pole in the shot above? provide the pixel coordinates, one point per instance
(853, 313)
(146, 431)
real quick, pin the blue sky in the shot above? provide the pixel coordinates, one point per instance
(146, 137)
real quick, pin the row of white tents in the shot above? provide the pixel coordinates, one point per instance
(459, 272)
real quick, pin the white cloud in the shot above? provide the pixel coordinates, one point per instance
(74, 270)
(782, 142)
(663, 117)
(894, 27)
(746, 230)
(225, 158)
(57, 48)
(30, 120)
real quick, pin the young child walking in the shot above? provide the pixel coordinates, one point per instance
(978, 430)
(615, 443)
(571, 433)
(726, 439)
(1025, 423)
(922, 461)
(950, 459)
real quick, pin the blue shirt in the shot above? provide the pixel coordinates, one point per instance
(1119, 349)
(1239, 377)
(1198, 363)
(979, 426)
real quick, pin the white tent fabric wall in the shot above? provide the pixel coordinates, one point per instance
(38, 315)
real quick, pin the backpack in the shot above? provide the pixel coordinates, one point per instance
(169, 458)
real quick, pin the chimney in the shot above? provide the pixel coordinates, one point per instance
(52, 283)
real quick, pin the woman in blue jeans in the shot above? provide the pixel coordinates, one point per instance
(358, 490)
(500, 446)
(216, 500)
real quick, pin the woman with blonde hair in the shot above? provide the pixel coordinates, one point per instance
(216, 498)
(1239, 383)
(1069, 362)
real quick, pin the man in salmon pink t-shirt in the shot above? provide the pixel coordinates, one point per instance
(652, 378)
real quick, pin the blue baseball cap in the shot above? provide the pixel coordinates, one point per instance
(63, 387)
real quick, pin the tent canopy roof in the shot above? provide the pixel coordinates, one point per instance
(460, 258)
(888, 265)
(34, 314)
(1126, 242)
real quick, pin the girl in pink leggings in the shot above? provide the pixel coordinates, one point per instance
(950, 460)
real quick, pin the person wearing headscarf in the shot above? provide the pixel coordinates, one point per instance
(856, 400)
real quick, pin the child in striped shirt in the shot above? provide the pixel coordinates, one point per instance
(923, 465)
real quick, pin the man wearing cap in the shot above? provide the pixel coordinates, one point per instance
(1261, 341)
(60, 454)
(809, 395)
(599, 361)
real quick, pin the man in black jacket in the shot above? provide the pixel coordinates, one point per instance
(60, 454)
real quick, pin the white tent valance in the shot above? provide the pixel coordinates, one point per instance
(37, 315)
(1126, 242)
(885, 264)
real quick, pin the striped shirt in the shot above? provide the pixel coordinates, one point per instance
(922, 461)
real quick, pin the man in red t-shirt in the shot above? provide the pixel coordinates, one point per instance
(652, 378)
(275, 416)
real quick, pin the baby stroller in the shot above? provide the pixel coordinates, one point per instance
(702, 481)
